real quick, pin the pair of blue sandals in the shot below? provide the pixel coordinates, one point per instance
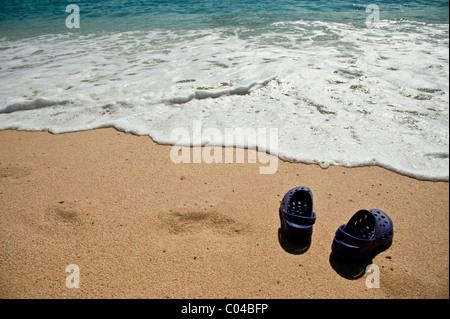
(366, 232)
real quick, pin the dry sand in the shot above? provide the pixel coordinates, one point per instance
(139, 226)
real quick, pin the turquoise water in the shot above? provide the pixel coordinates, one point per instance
(30, 18)
(340, 91)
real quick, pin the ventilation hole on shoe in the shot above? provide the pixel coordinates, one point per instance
(382, 216)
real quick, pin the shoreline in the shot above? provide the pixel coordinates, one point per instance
(241, 149)
(140, 226)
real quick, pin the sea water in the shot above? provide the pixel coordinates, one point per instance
(348, 83)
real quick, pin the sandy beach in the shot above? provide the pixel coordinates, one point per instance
(139, 226)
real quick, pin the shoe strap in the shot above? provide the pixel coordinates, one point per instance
(301, 220)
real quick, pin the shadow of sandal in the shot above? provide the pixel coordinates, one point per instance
(349, 269)
(354, 268)
(295, 247)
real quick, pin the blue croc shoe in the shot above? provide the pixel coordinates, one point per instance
(365, 232)
(296, 213)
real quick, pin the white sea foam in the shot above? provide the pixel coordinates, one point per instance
(338, 94)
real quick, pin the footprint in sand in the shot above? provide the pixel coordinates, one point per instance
(14, 171)
(66, 213)
(194, 218)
